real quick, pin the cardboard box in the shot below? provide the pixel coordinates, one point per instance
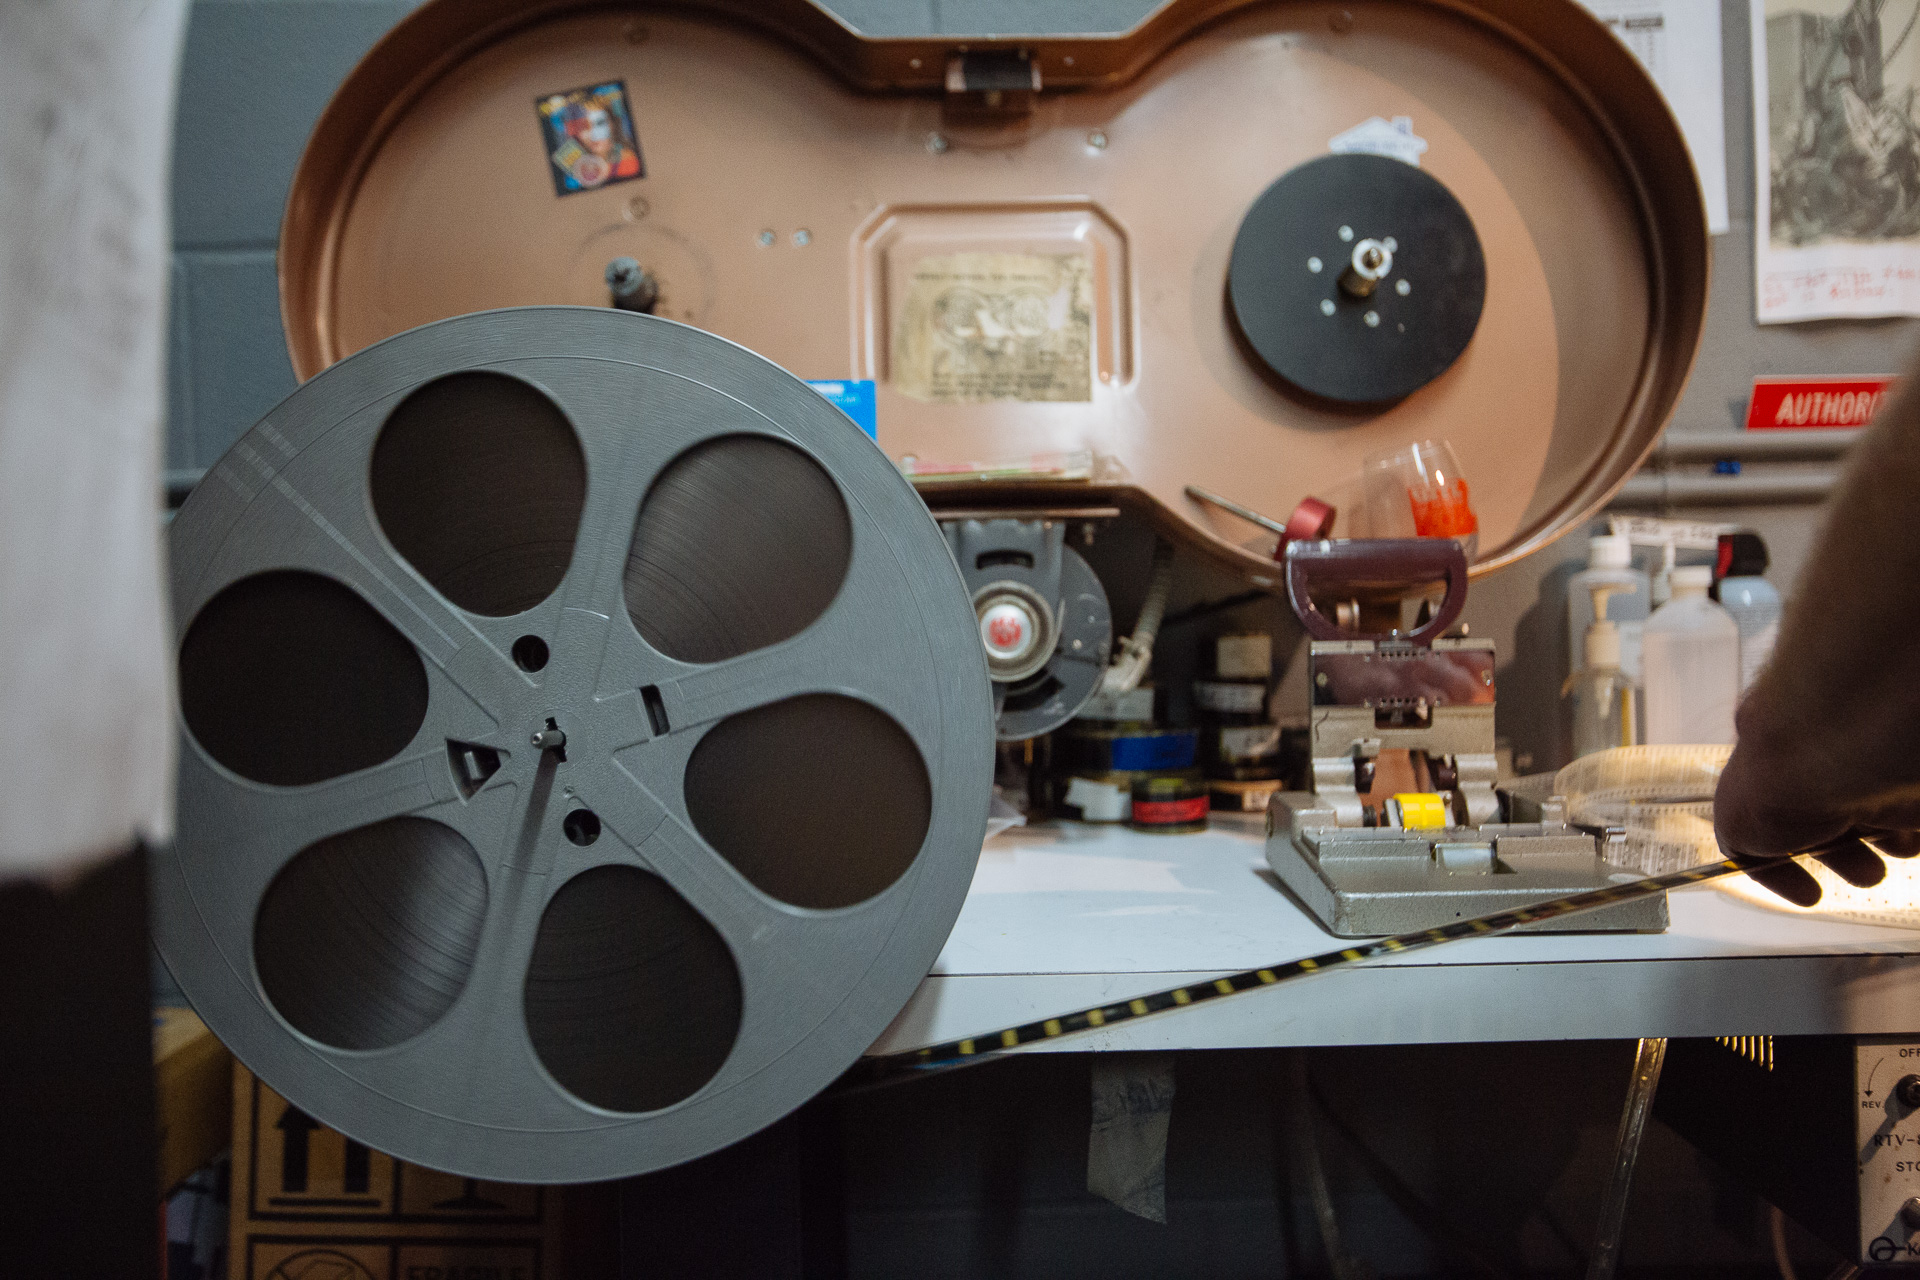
(311, 1204)
(193, 1093)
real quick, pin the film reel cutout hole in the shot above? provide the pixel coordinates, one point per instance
(365, 939)
(290, 678)
(819, 801)
(478, 481)
(530, 653)
(632, 999)
(742, 541)
(582, 827)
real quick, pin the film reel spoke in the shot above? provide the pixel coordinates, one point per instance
(620, 803)
(700, 699)
(408, 785)
(302, 518)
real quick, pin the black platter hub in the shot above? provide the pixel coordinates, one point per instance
(1357, 278)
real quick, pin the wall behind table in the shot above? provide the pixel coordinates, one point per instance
(1524, 607)
(257, 73)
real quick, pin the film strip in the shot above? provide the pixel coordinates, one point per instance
(887, 1068)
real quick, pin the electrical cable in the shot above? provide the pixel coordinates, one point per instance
(1649, 1057)
(1777, 1232)
(1136, 652)
(1410, 1203)
(1343, 1265)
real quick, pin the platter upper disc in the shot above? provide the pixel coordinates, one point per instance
(1357, 278)
(586, 745)
(1053, 281)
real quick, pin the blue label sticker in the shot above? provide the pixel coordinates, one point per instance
(1171, 749)
(853, 397)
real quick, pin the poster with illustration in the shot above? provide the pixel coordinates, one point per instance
(1837, 157)
(589, 137)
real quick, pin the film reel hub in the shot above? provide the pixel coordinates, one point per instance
(526, 659)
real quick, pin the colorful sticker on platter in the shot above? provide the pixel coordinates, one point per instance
(589, 137)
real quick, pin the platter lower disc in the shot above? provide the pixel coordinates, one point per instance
(586, 745)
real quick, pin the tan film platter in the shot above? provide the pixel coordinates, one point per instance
(806, 192)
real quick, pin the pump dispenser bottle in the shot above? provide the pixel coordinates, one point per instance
(1603, 695)
(1609, 565)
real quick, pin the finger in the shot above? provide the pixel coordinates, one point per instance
(1895, 844)
(1853, 862)
(1789, 880)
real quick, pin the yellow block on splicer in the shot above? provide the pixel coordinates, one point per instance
(1421, 809)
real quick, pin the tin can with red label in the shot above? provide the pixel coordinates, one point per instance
(1169, 806)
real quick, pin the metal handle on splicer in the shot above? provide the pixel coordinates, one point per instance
(1369, 564)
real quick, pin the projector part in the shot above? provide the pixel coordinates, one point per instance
(632, 287)
(1357, 278)
(1818, 1125)
(806, 194)
(1405, 827)
(526, 661)
(1042, 618)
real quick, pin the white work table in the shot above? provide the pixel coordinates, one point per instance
(1064, 916)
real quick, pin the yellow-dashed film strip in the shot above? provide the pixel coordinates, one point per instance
(957, 1053)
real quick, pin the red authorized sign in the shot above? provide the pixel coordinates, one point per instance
(1816, 402)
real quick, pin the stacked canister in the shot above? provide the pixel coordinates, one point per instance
(1239, 741)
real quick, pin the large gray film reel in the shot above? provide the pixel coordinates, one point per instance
(586, 745)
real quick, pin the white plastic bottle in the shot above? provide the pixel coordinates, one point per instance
(1750, 598)
(1692, 665)
(1610, 570)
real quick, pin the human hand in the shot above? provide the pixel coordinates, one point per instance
(1765, 813)
(1855, 857)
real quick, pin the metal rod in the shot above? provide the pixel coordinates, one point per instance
(1769, 445)
(946, 514)
(1648, 1058)
(1245, 513)
(1661, 489)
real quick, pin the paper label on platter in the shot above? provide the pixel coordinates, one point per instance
(980, 327)
(1393, 138)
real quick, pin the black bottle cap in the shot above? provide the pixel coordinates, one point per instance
(1742, 555)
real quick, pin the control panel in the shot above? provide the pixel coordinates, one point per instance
(1887, 1119)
